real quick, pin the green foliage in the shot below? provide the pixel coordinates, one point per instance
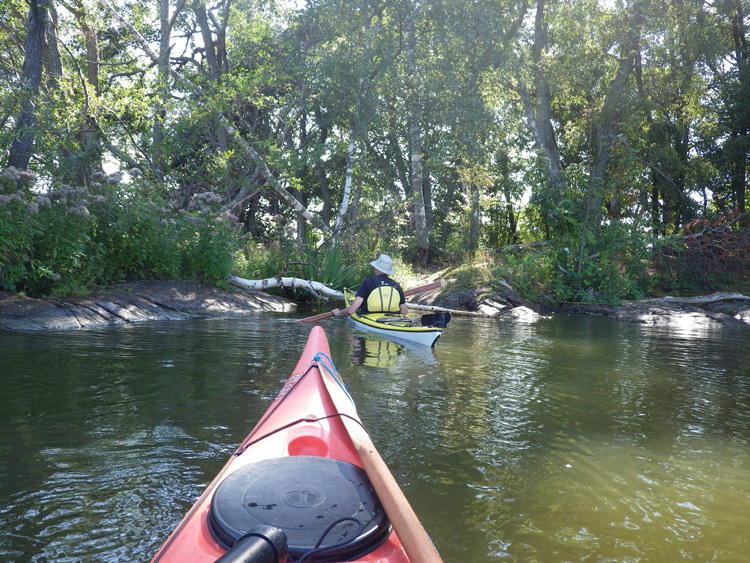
(139, 240)
(326, 265)
(208, 249)
(68, 241)
(294, 83)
(17, 235)
(531, 273)
(615, 269)
(258, 261)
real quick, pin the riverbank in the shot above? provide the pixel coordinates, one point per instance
(133, 303)
(715, 310)
(177, 300)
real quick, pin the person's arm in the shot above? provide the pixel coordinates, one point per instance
(402, 306)
(350, 309)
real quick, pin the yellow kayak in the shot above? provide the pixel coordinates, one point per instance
(400, 327)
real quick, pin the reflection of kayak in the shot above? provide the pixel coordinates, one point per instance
(372, 350)
(400, 327)
(375, 352)
(298, 472)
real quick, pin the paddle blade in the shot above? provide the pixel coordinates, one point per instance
(437, 320)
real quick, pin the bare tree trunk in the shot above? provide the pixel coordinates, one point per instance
(347, 185)
(212, 49)
(89, 137)
(415, 135)
(742, 55)
(474, 230)
(31, 77)
(447, 205)
(427, 194)
(512, 222)
(608, 127)
(166, 23)
(539, 110)
(325, 192)
(52, 58)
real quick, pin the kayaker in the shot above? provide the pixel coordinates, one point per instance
(378, 293)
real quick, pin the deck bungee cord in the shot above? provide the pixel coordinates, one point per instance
(320, 359)
(309, 419)
(317, 550)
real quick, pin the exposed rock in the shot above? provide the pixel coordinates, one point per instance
(170, 300)
(523, 314)
(492, 308)
(132, 303)
(718, 309)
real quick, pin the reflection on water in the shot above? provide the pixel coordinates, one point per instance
(379, 352)
(561, 440)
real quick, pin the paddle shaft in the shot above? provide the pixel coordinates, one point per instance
(414, 538)
(413, 291)
(316, 318)
(423, 288)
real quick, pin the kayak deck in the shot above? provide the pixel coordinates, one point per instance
(297, 470)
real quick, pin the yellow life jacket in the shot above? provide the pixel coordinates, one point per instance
(384, 299)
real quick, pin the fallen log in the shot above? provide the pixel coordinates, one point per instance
(316, 288)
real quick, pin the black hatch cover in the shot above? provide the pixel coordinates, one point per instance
(302, 495)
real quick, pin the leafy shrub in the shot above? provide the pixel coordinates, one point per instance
(139, 240)
(68, 241)
(258, 261)
(326, 265)
(531, 273)
(17, 235)
(614, 266)
(209, 248)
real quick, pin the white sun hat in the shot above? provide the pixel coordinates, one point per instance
(384, 263)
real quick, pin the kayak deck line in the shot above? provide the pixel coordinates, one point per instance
(294, 423)
(308, 437)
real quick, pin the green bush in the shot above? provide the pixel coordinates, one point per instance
(17, 234)
(67, 241)
(257, 261)
(209, 245)
(613, 267)
(139, 240)
(326, 265)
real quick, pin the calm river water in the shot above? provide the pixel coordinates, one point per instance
(566, 439)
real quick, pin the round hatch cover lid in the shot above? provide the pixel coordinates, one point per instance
(301, 495)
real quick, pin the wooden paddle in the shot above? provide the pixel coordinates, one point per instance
(413, 291)
(414, 538)
(423, 288)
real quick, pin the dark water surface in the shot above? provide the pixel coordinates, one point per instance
(568, 439)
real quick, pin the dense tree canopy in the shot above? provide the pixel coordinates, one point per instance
(437, 127)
